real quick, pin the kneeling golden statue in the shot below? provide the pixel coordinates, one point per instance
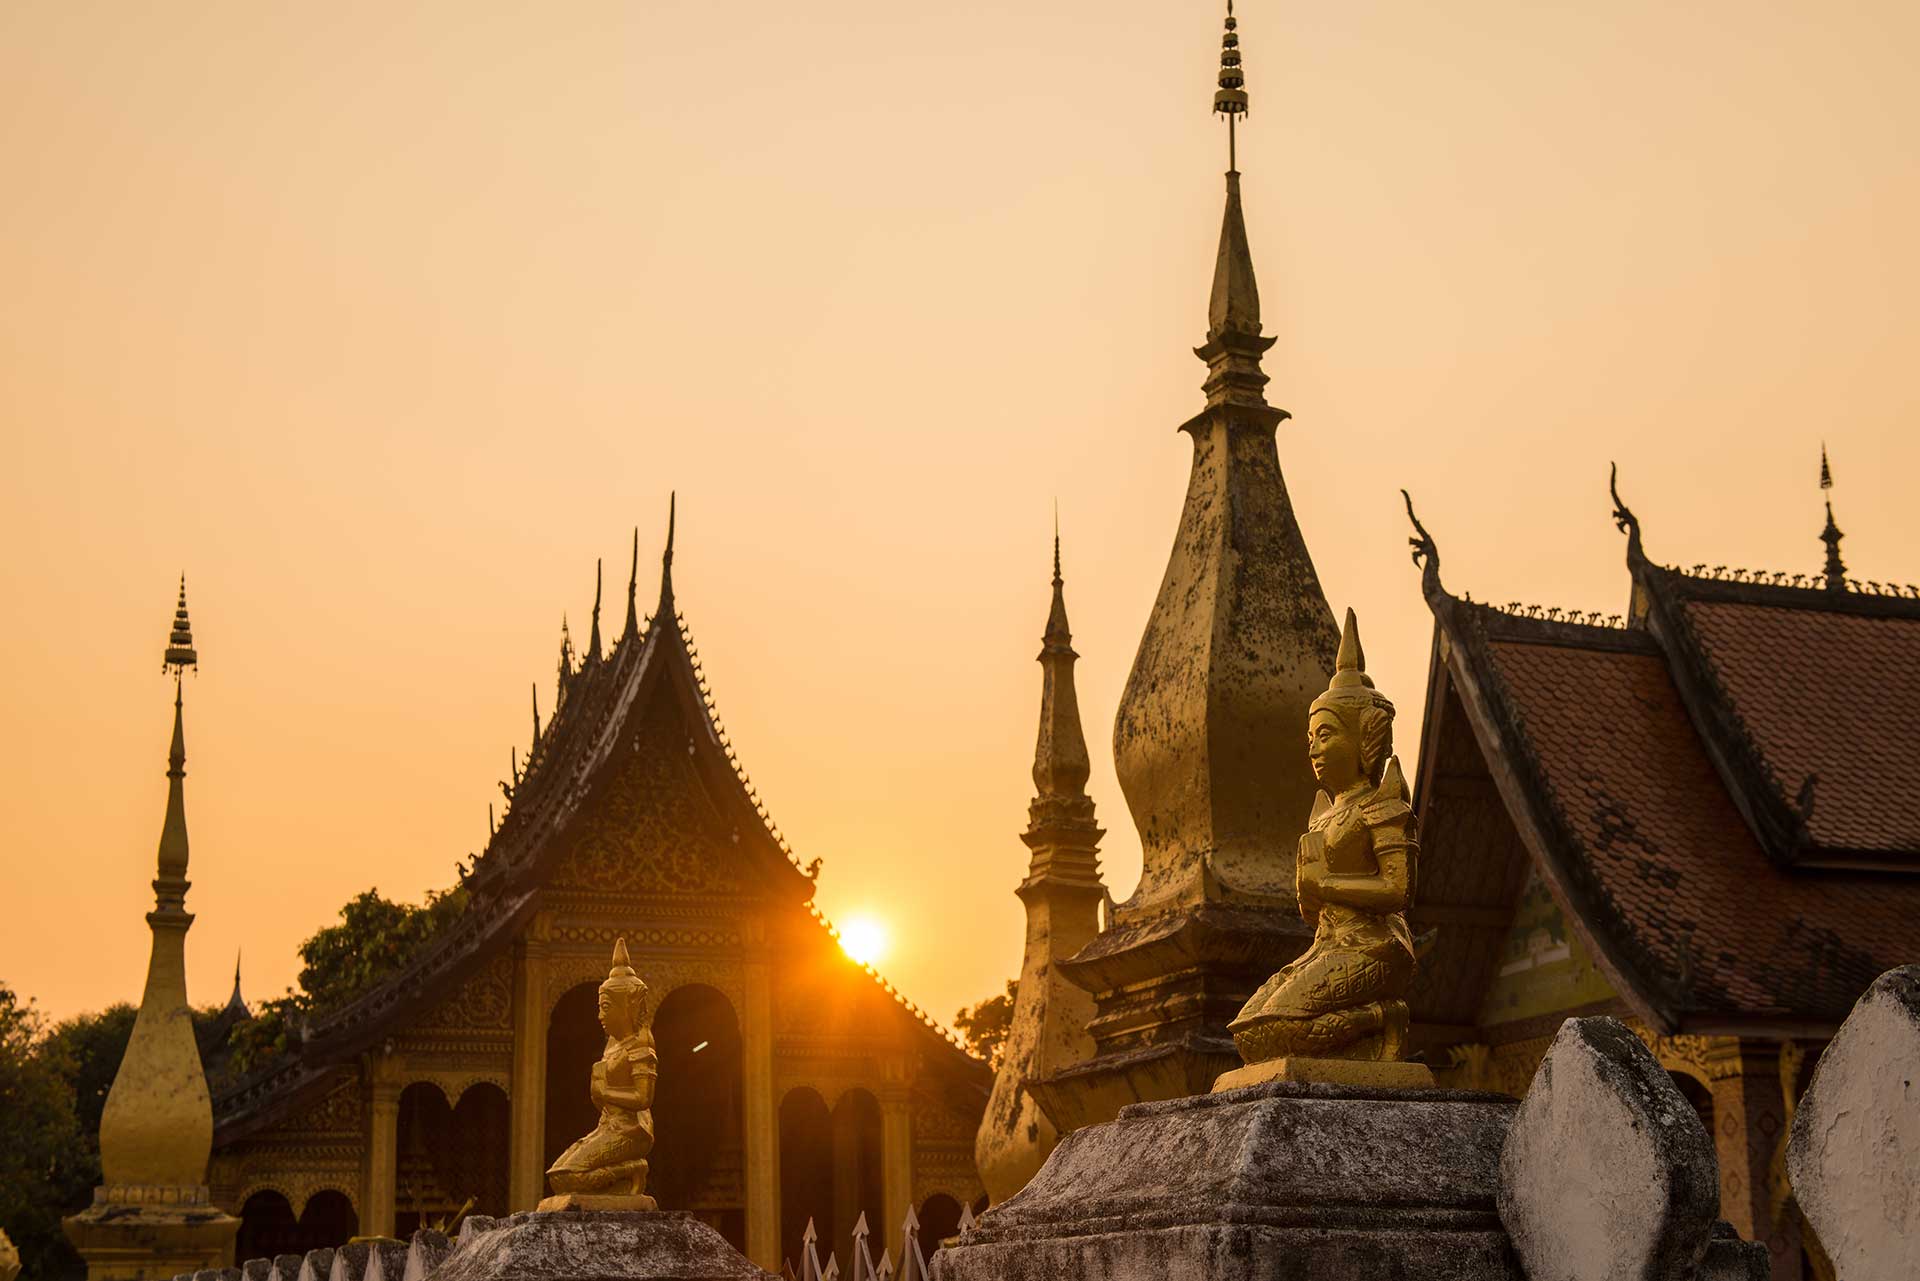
(1339, 1012)
(607, 1170)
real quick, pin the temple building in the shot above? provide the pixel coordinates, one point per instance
(794, 1084)
(1698, 816)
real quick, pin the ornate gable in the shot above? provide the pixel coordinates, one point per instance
(652, 828)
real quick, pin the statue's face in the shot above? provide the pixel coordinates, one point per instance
(1334, 753)
(616, 1015)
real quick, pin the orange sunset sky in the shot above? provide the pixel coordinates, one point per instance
(383, 321)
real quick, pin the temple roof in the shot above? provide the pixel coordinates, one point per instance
(595, 723)
(1655, 772)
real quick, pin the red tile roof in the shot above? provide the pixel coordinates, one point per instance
(1831, 702)
(1679, 876)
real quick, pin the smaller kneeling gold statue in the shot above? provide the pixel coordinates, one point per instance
(1338, 1013)
(607, 1170)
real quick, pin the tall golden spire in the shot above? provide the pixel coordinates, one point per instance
(1062, 894)
(157, 1129)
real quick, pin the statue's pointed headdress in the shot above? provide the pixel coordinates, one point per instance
(1366, 712)
(621, 977)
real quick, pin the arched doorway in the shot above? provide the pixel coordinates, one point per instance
(697, 1162)
(806, 1172)
(267, 1227)
(939, 1219)
(478, 1147)
(856, 1173)
(328, 1220)
(449, 1157)
(574, 1044)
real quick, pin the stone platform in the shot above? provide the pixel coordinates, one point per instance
(595, 1245)
(1284, 1181)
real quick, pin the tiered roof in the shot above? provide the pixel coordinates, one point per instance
(597, 714)
(1716, 790)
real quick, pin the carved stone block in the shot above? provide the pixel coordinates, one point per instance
(1854, 1156)
(1607, 1173)
(1278, 1182)
(574, 1245)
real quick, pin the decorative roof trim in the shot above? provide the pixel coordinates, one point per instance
(1463, 651)
(1507, 745)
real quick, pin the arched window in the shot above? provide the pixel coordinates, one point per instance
(267, 1227)
(327, 1221)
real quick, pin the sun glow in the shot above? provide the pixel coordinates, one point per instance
(864, 939)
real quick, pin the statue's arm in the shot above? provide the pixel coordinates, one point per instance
(637, 1097)
(1383, 891)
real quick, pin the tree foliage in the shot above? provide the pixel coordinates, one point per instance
(985, 1025)
(374, 938)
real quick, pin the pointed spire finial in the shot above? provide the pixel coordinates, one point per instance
(665, 608)
(180, 653)
(536, 716)
(1056, 542)
(1350, 668)
(633, 587)
(593, 639)
(1234, 345)
(1231, 98)
(1831, 535)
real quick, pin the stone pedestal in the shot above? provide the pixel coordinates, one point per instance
(1373, 1073)
(604, 1245)
(143, 1233)
(1277, 1182)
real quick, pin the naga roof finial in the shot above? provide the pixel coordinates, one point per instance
(1624, 519)
(1426, 554)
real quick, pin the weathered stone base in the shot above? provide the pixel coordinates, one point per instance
(597, 1201)
(1284, 1181)
(1366, 1072)
(145, 1234)
(595, 1245)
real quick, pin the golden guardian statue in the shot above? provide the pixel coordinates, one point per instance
(1339, 1012)
(607, 1170)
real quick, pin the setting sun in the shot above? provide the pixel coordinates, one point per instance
(864, 939)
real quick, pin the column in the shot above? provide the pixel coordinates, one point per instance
(380, 1086)
(527, 1099)
(896, 1148)
(760, 1117)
